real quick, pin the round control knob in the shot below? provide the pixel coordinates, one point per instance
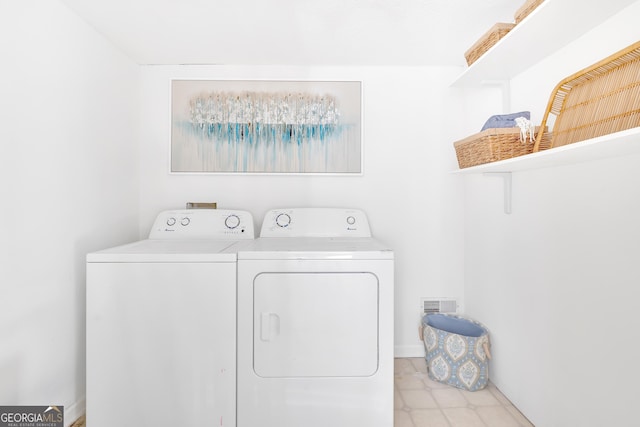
(283, 220)
(185, 221)
(171, 221)
(232, 221)
(351, 220)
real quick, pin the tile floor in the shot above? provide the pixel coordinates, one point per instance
(421, 402)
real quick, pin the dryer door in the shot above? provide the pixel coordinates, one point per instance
(315, 324)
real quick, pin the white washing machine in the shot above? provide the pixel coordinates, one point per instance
(161, 324)
(315, 322)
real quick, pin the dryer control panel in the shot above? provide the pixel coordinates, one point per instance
(315, 222)
(203, 224)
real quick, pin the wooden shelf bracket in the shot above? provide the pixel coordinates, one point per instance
(506, 178)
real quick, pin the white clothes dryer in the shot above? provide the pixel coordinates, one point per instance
(315, 322)
(161, 324)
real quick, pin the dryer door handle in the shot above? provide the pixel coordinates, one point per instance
(269, 325)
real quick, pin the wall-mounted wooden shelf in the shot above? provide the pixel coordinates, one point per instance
(617, 144)
(552, 25)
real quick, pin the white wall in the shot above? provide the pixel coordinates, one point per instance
(413, 203)
(68, 173)
(556, 281)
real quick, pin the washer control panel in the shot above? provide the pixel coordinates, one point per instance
(203, 224)
(315, 222)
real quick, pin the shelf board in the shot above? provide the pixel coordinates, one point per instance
(551, 26)
(617, 144)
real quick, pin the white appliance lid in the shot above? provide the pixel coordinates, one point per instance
(314, 248)
(156, 250)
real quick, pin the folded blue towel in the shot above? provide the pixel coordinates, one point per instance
(505, 120)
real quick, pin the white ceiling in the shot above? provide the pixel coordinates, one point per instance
(295, 32)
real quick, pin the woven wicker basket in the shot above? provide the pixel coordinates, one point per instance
(485, 42)
(526, 9)
(492, 145)
(601, 99)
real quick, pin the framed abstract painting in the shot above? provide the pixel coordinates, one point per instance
(266, 127)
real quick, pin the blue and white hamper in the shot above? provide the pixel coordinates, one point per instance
(457, 350)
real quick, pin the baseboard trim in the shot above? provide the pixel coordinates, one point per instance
(409, 351)
(75, 411)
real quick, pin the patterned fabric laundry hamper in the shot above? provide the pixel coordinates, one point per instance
(457, 350)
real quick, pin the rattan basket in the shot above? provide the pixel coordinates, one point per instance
(526, 9)
(492, 145)
(601, 99)
(485, 42)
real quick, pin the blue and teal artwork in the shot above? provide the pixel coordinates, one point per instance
(254, 126)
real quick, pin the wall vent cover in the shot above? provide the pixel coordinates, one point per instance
(439, 305)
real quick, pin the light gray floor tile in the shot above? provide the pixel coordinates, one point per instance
(422, 402)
